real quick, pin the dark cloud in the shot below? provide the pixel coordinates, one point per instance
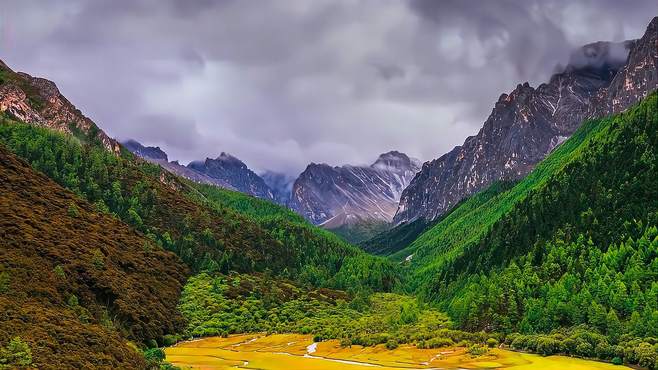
(283, 83)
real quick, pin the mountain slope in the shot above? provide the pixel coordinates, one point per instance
(396, 241)
(598, 190)
(337, 196)
(76, 283)
(356, 269)
(37, 101)
(527, 124)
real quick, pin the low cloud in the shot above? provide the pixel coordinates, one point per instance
(280, 84)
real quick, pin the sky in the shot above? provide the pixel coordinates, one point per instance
(282, 83)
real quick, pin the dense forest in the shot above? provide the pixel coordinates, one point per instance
(573, 245)
(239, 233)
(223, 305)
(562, 261)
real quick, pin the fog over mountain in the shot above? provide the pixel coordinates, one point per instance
(280, 84)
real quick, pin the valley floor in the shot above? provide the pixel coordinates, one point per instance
(294, 351)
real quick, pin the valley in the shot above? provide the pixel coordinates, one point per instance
(290, 351)
(534, 245)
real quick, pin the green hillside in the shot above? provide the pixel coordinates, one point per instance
(312, 243)
(573, 245)
(76, 284)
(232, 235)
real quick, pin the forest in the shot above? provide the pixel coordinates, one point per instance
(572, 248)
(564, 261)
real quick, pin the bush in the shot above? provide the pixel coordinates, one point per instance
(617, 361)
(16, 354)
(584, 349)
(440, 342)
(98, 259)
(154, 355)
(346, 342)
(477, 350)
(547, 346)
(4, 281)
(392, 344)
(59, 272)
(73, 211)
(492, 342)
(169, 340)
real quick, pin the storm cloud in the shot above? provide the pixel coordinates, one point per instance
(281, 84)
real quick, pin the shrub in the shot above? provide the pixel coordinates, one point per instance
(477, 350)
(617, 361)
(440, 342)
(346, 342)
(59, 272)
(73, 211)
(646, 355)
(169, 340)
(584, 349)
(16, 354)
(4, 281)
(98, 258)
(492, 342)
(392, 344)
(154, 355)
(547, 346)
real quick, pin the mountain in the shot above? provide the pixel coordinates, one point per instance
(38, 101)
(348, 195)
(76, 284)
(158, 156)
(527, 124)
(635, 80)
(147, 152)
(233, 171)
(569, 252)
(281, 185)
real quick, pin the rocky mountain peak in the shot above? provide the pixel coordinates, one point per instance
(347, 195)
(150, 152)
(38, 101)
(233, 171)
(527, 124)
(395, 160)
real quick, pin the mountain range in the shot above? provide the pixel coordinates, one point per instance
(523, 127)
(540, 234)
(337, 198)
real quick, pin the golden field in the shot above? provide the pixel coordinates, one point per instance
(291, 351)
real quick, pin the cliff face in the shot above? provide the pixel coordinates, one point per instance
(38, 101)
(527, 124)
(635, 80)
(337, 196)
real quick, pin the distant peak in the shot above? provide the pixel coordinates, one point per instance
(600, 55)
(227, 157)
(395, 160)
(151, 152)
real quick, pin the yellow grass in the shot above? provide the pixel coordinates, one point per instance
(289, 352)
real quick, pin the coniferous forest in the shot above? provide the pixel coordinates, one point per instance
(110, 258)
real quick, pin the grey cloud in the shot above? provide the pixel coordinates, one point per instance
(280, 84)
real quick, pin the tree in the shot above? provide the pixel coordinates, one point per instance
(16, 354)
(614, 327)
